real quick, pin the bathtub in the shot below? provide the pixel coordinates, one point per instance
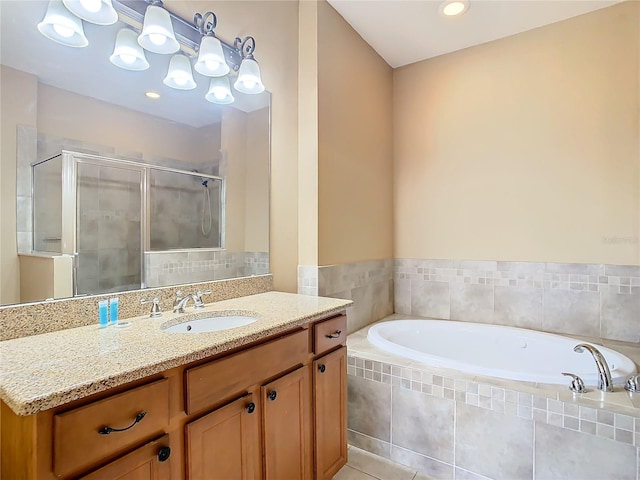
(496, 351)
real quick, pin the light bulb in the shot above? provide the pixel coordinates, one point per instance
(63, 31)
(249, 83)
(212, 64)
(157, 38)
(454, 8)
(128, 59)
(180, 79)
(91, 5)
(219, 93)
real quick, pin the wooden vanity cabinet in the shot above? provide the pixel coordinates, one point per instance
(286, 423)
(274, 410)
(226, 443)
(149, 462)
(330, 413)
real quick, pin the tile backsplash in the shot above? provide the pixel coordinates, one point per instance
(582, 299)
(369, 284)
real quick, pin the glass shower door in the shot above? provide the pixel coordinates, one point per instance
(109, 228)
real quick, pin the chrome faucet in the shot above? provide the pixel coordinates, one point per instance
(180, 302)
(604, 374)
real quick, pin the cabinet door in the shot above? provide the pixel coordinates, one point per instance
(330, 414)
(287, 426)
(149, 462)
(225, 444)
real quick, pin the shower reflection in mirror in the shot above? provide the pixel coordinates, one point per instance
(126, 215)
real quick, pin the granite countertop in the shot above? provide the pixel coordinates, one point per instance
(41, 372)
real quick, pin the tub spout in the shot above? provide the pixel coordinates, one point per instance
(604, 374)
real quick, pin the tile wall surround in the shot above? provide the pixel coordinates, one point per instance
(201, 265)
(43, 317)
(594, 300)
(369, 284)
(448, 424)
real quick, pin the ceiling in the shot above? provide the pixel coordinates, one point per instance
(407, 31)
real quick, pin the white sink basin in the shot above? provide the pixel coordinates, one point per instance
(211, 324)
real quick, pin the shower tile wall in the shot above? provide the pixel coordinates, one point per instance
(109, 244)
(368, 284)
(172, 268)
(581, 299)
(463, 428)
(177, 216)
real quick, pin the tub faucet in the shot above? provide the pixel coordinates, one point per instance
(604, 374)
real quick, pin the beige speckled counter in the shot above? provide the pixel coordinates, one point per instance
(44, 371)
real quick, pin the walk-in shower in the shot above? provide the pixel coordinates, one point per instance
(109, 212)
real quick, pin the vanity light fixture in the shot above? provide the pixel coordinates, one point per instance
(100, 12)
(454, 8)
(61, 26)
(127, 53)
(162, 32)
(180, 75)
(210, 61)
(157, 34)
(219, 91)
(249, 79)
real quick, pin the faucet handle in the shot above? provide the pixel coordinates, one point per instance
(577, 385)
(633, 384)
(197, 298)
(155, 308)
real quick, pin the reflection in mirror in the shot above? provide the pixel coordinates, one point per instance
(150, 192)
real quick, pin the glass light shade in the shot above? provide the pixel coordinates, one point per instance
(211, 61)
(127, 53)
(249, 80)
(157, 34)
(62, 27)
(179, 75)
(100, 12)
(219, 91)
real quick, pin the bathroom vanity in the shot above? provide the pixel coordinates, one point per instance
(267, 400)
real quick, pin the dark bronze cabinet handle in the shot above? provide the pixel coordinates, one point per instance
(108, 430)
(272, 395)
(322, 367)
(251, 407)
(336, 334)
(164, 453)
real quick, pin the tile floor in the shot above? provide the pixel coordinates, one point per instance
(363, 465)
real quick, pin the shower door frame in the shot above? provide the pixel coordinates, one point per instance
(70, 162)
(71, 159)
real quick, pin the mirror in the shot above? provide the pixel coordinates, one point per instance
(116, 190)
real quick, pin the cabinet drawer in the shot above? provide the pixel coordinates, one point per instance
(219, 380)
(78, 443)
(329, 334)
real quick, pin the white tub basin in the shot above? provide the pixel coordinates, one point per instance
(211, 324)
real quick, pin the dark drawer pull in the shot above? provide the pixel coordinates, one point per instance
(108, 430)
(272, 395)
(251, 407)
(322, 367)
(336, 334)
(164, 453)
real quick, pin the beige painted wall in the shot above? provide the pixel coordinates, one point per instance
(308, 134)
(354, 145)
(256, 189)
(18, 92)
(526, 148)
(68, 115)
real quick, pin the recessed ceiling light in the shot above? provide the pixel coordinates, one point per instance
(454, 8)
(154, 95)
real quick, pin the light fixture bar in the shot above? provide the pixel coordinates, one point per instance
(132, 13)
